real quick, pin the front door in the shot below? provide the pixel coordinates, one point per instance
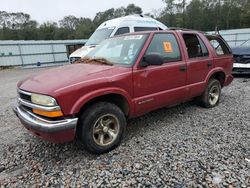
(161, 85)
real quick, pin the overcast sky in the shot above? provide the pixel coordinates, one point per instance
(54, 10)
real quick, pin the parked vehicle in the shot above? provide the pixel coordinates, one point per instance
(242, 58)
(117, 26)
(124, 77)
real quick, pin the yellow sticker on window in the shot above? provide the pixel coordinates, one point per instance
(167, 47)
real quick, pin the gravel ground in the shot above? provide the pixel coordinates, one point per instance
(183, 146)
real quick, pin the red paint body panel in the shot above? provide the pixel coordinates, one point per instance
(71, 85)
(55, 137)
(161, 85)
(144, 88)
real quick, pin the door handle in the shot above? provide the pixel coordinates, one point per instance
(183, 68)
(210, 63)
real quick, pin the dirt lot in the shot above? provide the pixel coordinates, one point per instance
(184, 146)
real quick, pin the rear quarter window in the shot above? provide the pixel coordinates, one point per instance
(219, 45)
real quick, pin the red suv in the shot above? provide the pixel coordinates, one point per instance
(124, 77)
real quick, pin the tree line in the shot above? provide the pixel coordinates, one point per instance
(202, 15)
(205, 15)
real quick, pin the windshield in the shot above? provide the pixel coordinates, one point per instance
(121, 50)
(98, 36)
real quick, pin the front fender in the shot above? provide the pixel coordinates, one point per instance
(98, 93)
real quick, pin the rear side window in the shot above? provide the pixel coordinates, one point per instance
(195, 46)
(166, 45)
(138, 29)
(219, 46)
(122, 30)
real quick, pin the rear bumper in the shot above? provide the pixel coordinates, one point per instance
(228, 80)
(57, 131)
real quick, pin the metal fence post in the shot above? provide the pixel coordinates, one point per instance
(236, 37)
(53, 52)
(20, 52)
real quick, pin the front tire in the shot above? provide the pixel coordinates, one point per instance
(101, 127)
(211, 96)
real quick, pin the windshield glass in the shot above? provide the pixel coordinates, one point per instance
(98, 36)
(121, 50)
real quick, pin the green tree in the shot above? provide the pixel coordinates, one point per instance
(104, 16)
(133, 9)
(119, 12)
(69, 22)
(195, 14)
(84, 29)
(168, 15)
(48, 30)
(29, 30)
(245, 14)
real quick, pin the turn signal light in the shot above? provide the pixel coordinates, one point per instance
(48, 114)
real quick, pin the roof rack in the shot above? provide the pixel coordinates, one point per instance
(184, 29)
(179, 28)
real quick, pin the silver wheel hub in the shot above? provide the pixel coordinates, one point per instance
(214, 94)
(106, 129)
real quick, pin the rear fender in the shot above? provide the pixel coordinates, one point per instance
(212, 72)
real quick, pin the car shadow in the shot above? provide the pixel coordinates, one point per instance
(241, 75)
(44, 152)
(38, 154)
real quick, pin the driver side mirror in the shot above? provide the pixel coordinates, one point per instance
(152, 59)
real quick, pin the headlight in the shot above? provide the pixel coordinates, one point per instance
(43, 100)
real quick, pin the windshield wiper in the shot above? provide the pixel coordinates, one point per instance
(94, 60)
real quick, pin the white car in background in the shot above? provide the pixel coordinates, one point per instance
(117, 26)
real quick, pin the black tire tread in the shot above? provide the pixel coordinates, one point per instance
(203, 99)
(84, 137)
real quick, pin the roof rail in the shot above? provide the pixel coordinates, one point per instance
(179, 28)
(184, 29)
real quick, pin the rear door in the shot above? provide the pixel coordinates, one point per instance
(223, 56)
(160, 85)
(199, 62)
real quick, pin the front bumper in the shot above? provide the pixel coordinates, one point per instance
(56, 131)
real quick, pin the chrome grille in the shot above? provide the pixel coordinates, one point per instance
(24, 95)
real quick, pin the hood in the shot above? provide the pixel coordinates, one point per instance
(51, 81)
(241, 50)
(81, 52)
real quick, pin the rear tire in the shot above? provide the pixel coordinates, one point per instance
(101, 127)
(211, 96)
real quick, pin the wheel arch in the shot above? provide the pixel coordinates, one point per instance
(217, 74)
(117, 97)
